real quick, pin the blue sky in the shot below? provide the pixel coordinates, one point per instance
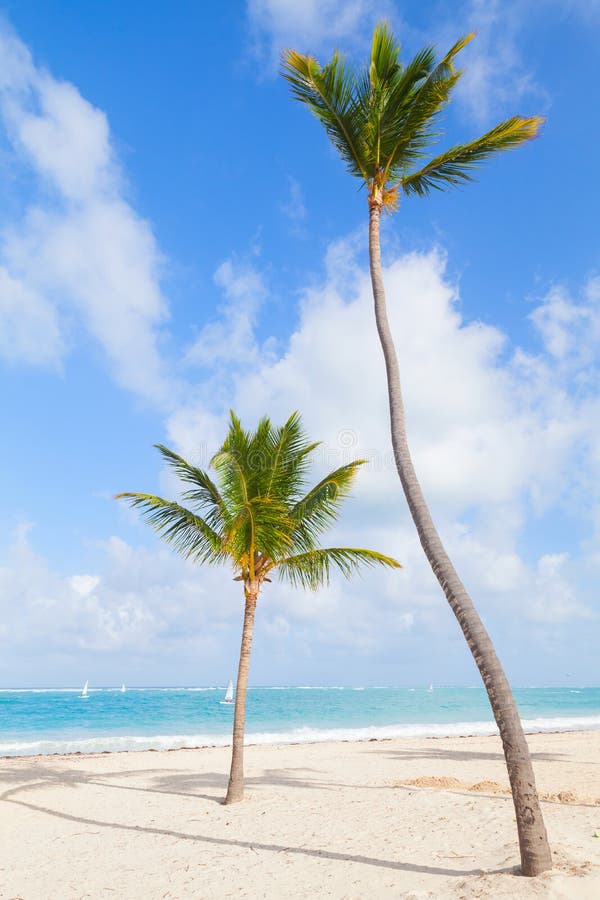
(177, 237)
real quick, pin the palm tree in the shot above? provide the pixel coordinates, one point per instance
(261, 520)
(382, 119)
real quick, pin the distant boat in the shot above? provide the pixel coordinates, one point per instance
(228, 694)
(122, 688)
(430, 689)
(84, 692)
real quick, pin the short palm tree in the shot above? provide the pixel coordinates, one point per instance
(261, 520)
(382, 119)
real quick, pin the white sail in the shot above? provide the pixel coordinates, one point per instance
(229, 694)
(430, 689)
(84, 690)
(123, 688)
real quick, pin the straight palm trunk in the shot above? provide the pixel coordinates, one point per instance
(235, 789)
(533, 841)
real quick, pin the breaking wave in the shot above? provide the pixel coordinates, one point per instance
(306, 735)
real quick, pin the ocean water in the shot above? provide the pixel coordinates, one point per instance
(47, 721)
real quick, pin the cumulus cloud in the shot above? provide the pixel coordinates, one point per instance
(311, 26)
(569, 329)
(231, 337)
(136, 601)
(146, 608)
(500, 436)
(497, 79)
(491, 427)
(29, 328)
(81, 249)
(471, 432)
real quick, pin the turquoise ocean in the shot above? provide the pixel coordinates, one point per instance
(44, 721)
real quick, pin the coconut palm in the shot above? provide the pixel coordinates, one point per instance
(383, 119)
(261, 520)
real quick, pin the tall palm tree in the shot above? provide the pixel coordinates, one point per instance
(260, 520)
(382, 119)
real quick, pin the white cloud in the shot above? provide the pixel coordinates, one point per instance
(231, 338)
(571, 330)
(29, 329)
(146, 608)
(84, 585)
(554, 597)
(139, 598)
(66, 138)
(82, 247)
(498, 79)
(471, 436)
(503, 441)
(312, 25)
(294, 207)
(500, 437)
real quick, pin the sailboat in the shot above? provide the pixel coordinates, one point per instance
(430, 689)
(228, 694)
(122, 688)
(84, 692)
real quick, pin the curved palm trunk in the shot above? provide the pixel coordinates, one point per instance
(235, 788)
(533, 841)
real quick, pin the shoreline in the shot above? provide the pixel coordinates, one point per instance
(418, 818)
(225, 744)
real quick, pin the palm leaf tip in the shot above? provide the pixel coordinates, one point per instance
(313, 569)
(460, 44)
(532, 126)
(372, 557)
(455, 166)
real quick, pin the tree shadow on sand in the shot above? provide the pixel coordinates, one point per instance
(176, 783)
(10, 796)
(443, 753)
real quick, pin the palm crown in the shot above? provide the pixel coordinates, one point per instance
(382, 119)
(260, 517)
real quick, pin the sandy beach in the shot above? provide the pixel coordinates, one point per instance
(402, 818)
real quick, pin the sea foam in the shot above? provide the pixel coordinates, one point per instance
(119, 743)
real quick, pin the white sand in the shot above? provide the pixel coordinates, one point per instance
(321, 820)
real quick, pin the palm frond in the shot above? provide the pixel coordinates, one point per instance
(262, 516)
(287, 458)
(328, 91)
(261, 526)
(187, 532)
(258, 474)
(414, 106)
(397, 104)
(455, 165)
(372, 92)
(231, 464)
(385, 55)
(204, 491)
(313, 569)
(319, 508)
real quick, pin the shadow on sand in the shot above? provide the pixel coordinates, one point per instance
(444, 753)
(37, 777)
